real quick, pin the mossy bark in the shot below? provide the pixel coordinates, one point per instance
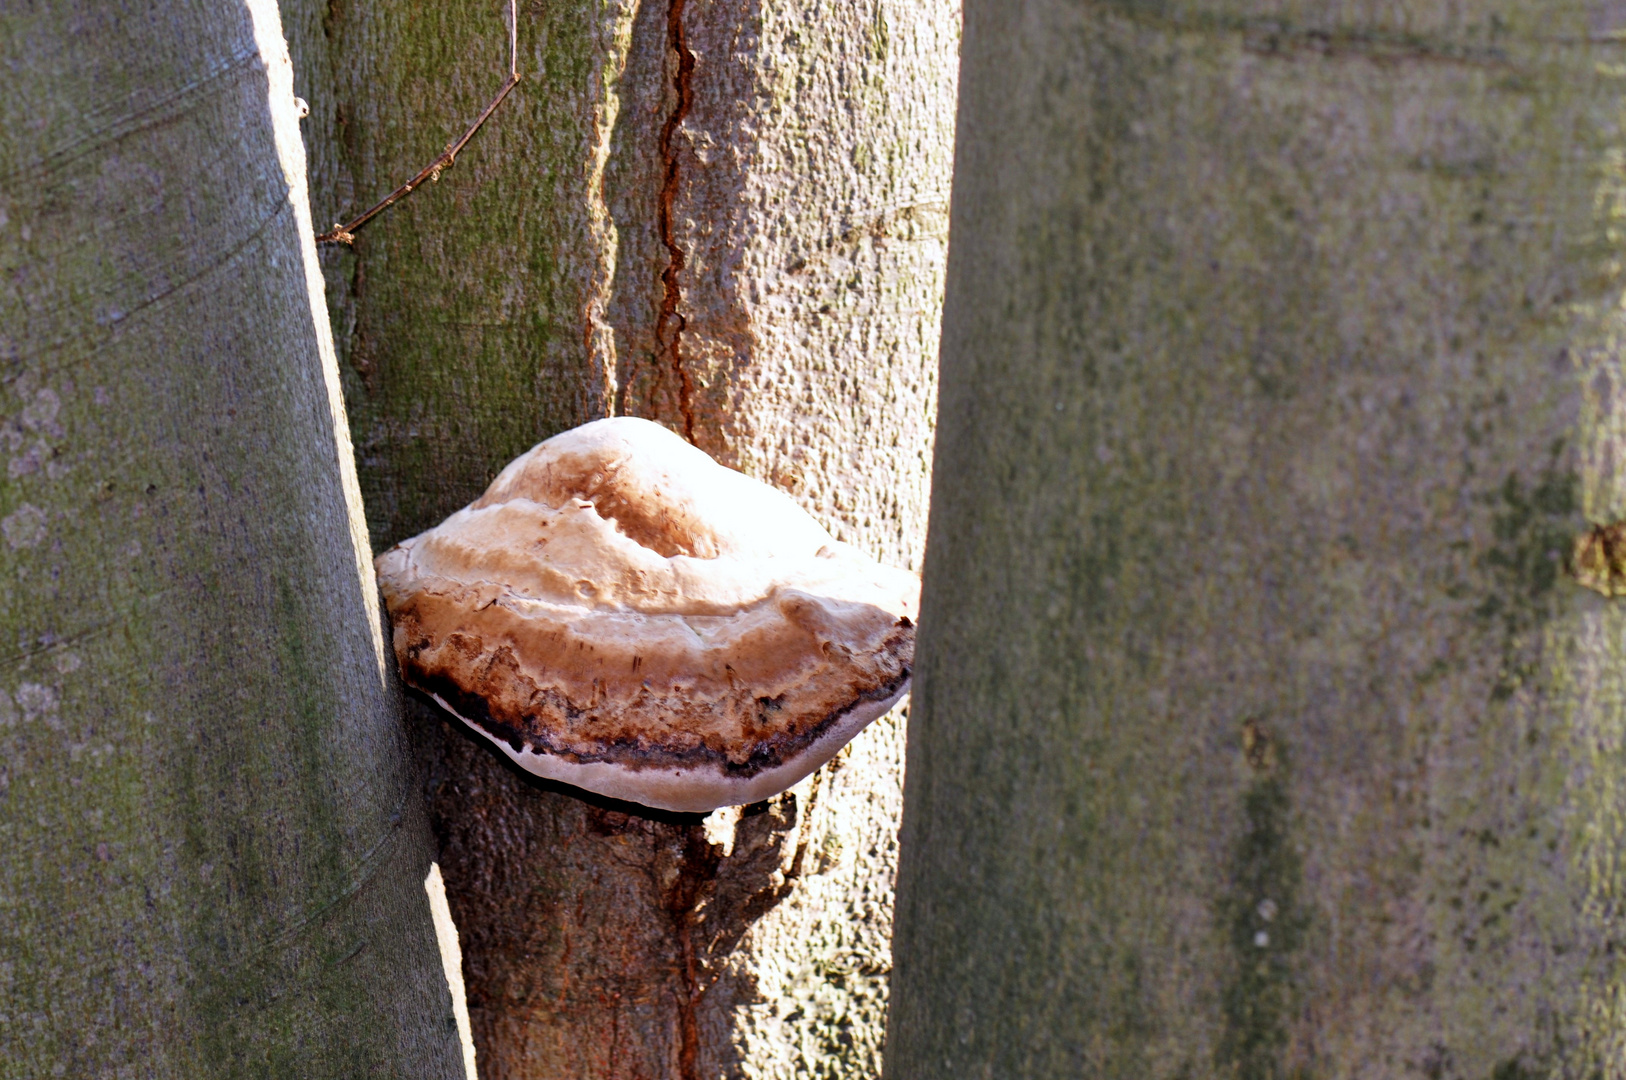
(1258, 731)
(726, 216)
(213, 850)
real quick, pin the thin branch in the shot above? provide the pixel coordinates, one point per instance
(346, 233)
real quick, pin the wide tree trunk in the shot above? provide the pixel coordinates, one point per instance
(1259, 728)
(729, 217)
(212, 854)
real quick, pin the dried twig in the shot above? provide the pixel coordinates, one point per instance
(346, 233)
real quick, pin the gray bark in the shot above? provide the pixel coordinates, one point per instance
(214, 855)
(1258, 731)
(728, 217)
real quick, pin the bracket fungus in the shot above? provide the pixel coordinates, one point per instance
(621, 613)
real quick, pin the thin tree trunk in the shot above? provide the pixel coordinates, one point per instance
(214, 854)
(728, 217)
(1258, 730)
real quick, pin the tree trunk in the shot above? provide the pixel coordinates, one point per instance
(729, 217)
(214, 854)
(1259, 730)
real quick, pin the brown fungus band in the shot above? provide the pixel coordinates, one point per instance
(621, 613)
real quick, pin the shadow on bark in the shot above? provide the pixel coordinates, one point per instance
(596, 934)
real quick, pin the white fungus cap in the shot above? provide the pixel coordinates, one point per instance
(621, 613)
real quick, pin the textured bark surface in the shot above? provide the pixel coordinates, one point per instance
(1257, 729)
(728, 217)
(213, 850)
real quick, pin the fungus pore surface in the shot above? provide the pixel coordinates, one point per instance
(621, 613)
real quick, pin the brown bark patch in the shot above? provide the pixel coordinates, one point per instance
(1598, 559)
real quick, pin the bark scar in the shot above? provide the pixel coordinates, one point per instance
(669, 325)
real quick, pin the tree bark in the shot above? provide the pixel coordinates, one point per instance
(729, 217)
(1258, 730)
(214, 851)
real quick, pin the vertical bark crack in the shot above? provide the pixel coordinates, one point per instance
(669, 325)
(696, 873)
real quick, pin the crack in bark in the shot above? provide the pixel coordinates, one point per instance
(697, 870)
(670, 350)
